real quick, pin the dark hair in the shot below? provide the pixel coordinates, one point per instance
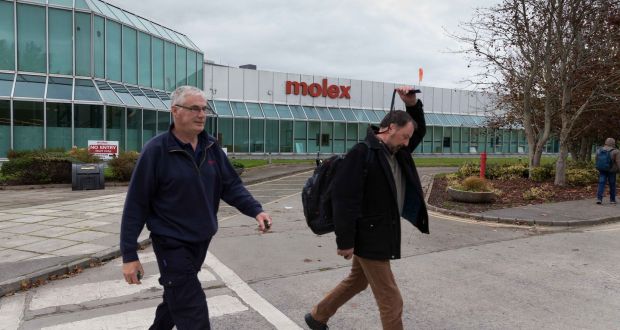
(398, 117)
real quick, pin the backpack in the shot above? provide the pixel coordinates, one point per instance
(316, 196)
(604, 162)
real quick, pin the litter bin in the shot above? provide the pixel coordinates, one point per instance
(87, 176)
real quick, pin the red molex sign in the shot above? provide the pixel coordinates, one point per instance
(316, 89)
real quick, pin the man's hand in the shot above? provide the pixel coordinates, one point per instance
(347, 254)
(264, 222)
(130, 272)
(410, 100)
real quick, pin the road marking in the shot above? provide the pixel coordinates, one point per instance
(77, 294)
(143, 318)
(470, 221)
(12, 311)
(614, 228)
(249, 296)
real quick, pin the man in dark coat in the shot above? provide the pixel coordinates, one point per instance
(370, 196)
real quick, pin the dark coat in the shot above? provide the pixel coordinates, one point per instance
(178, 198)
(366, 213)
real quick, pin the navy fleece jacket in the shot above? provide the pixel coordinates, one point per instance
(176, 196)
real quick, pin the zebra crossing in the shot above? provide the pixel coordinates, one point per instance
(90, 304)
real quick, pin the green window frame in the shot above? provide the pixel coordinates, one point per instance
(31, 39)
(286, 136)
(144, 59)
(242, 135)
(170, 66)
(130, 55)
(257, 132)
(191, 68)
(301, 144)
(113, 51)
(115, 125)
(7, 38)
(225, 133)
(272, 137)
(181, 66)
(5, 127)
(60, 41)
(58, 125)
(200, 64)
(158, 63)
(163, 121)
(134, 129)
(27, 125)
(99, 46)
(83, 35)
(149, 126)
(88, 123)
(314, 136)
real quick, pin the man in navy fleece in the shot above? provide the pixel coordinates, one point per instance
(175, 189)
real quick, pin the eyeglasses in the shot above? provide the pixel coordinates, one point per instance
(196, 109)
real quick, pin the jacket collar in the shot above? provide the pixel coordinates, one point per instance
(371, 137)
(171, 143)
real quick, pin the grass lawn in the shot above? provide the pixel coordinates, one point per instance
(421, 161)
(248, 163)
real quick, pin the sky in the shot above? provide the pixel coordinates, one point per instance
(377, 40)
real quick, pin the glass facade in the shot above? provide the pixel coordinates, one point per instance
(299, 129)
(73, 71)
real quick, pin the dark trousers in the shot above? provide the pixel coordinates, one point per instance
(184, 303)
(603, 178)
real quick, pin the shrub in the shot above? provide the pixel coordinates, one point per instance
(81, 155)
(519, 170)
(475, 184)
(468, 169)
(540, 174)
(36, 169)
(538, 193)
(123, 165)
(237, 164)
(581, 177)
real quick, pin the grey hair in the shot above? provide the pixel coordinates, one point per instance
(610, 142)
(179, 94)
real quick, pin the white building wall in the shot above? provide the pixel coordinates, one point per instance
(279, 87)
(266, 86)
(220, 82)
(250, 85)
(235, 84)
(208, 81)
(356, 93)
(344, 102)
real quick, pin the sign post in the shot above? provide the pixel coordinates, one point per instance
(103, 149)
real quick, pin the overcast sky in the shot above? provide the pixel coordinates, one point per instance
(379, 40)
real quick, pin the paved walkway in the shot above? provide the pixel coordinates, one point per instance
(51, 231)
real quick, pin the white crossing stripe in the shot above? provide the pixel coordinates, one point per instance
(143, 318)
(77, 294)
(12, 311)
(249, 296)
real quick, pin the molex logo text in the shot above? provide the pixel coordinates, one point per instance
(316, 89)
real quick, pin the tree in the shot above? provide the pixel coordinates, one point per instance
(554, 65)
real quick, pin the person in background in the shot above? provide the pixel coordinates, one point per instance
(607, 162)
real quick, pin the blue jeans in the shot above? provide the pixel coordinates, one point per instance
(603, 178)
